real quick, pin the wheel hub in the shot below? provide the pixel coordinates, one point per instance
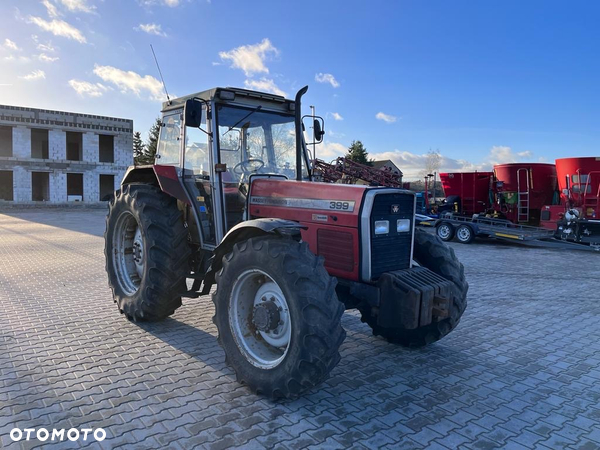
(260, 319)
(265, 316)
(137, 252)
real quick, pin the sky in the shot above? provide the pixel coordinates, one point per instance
(481, 82)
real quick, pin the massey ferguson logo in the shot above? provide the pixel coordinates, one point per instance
(395, 209)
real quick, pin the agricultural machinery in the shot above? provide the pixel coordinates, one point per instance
(577, 218)
(525, 202)
(231, 203)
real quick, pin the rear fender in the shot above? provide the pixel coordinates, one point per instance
(165, 177)
(244, 231)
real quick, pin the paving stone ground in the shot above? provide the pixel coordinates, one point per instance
(522, 370)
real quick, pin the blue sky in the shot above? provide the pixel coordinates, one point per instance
(483, 82)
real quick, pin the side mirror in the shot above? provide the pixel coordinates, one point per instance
(319, 131)
(193, 113)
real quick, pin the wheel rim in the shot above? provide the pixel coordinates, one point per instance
(260, 320)
(444, 231)
(128, 253)
(463, 234)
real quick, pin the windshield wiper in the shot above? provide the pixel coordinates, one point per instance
(242, 119)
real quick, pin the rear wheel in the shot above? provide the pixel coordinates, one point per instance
(445, 231)
(278, 316)
(465, 234)
(432, 253)
(146, 252)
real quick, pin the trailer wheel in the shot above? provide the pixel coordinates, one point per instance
(432, 253)
(445, 231)
(465, 234)
(278, 316)
(146, 252)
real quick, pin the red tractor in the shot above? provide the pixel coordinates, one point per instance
(230, 203)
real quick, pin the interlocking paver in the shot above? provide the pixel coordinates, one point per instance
(521, 370)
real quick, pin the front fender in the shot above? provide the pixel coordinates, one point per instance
(246, 230)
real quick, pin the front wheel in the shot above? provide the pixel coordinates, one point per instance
(278, 316)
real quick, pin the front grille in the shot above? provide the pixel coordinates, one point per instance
(337, 247)
(391, 251)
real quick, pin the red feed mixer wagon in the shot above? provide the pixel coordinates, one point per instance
(523, 189)
(577, 217)
(466, 193)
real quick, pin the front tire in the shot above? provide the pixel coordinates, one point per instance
(278, 316)
(146, 251)
(432, 253)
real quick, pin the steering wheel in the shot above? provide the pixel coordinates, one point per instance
(248, 166)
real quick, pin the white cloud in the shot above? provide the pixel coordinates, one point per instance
(45, 47)
(170, 3)
(11, 45)
(87, 89)
(385, 117)
(327, 78)
(45, 58)
(35, 75)
(19, 59)
(51, 8)
(265, 85)
(58, 28)
(413, 165)
(250, 58)
(131, 81)
(151, 28)
(501, 154)
(336, 116)
(329, 151)
(78, 6)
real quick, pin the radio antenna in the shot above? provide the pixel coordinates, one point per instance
(160, 73)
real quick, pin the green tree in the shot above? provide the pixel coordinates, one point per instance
(152, 143)
(358, 153)
(138, 148)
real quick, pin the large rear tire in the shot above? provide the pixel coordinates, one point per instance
(146, 251)
(432, 253)
(278, 316)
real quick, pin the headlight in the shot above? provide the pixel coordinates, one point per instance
(403, 225)
(382, 227)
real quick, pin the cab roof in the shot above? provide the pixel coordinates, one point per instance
(241, 96)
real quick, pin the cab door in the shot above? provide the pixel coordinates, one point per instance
(198, 179)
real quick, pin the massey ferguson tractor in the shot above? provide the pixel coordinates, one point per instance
(231, 203)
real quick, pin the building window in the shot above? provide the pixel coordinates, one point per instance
(75, 187)
(6, 141)
(40, 186)
(107, 148)
(6, 185)
(107, 187)
(74, 146)
(39, 143)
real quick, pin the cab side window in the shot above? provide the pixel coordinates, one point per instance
(169, 142)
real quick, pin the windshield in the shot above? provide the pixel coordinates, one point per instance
(259, 142)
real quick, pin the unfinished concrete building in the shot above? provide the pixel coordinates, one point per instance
(61, 157)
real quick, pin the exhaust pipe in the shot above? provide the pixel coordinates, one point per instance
(298, 110)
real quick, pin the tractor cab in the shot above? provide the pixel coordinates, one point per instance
(219, 141)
